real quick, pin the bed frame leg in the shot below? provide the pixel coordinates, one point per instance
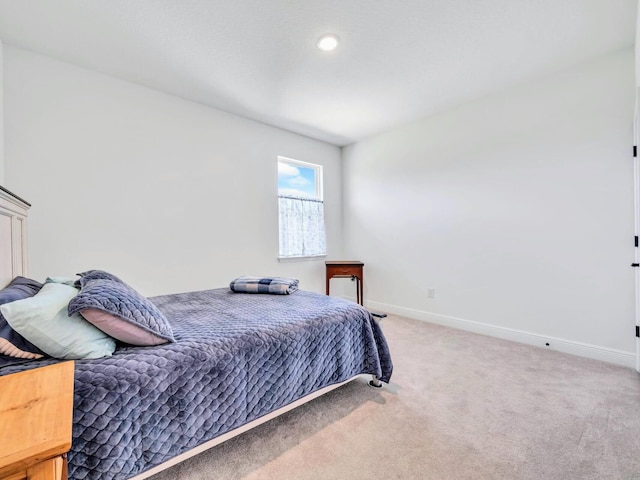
(375, 382)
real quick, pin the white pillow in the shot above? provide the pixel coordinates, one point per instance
(43, 320)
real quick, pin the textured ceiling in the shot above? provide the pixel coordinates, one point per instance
(399, 60)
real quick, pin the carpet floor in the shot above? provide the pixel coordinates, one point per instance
(459, 406)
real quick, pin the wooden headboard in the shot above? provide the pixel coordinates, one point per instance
(13, 236)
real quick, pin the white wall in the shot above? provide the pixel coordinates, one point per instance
(517, 209)
(168, 194)
(637, 44)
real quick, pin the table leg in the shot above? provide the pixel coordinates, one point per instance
(52, 469)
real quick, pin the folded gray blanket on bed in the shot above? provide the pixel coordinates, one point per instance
(273, 285)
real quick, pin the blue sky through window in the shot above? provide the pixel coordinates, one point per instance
(296, 180)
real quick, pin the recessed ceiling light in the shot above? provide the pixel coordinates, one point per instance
(328, 42)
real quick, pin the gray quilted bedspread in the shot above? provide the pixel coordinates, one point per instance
(237, 357)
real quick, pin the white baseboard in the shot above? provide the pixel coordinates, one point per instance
(618, 357)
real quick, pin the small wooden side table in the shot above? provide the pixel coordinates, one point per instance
(344, 269)
(36, 415)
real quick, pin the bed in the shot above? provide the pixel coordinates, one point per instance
(237, 361)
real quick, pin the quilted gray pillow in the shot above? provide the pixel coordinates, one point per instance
(130, 317)
(95, 275)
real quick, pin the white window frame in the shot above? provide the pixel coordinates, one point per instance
(319, 187)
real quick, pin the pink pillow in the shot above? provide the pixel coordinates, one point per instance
(119, 329)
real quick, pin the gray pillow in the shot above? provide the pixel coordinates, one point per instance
(124, 303)
(12, 344)
(95, 275)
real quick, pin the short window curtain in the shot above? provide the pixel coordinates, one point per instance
(302, 232)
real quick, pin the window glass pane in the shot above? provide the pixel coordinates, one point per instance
(296, 180)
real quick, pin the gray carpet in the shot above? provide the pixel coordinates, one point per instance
(460, 406)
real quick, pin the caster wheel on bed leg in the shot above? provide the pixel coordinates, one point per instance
(375, 383)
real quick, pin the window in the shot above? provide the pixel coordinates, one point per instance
(301, 209)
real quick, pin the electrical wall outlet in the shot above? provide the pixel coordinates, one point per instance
(431, 292)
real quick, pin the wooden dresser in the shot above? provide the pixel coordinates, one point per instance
(36, 413)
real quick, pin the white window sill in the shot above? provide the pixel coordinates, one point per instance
(301, 259)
